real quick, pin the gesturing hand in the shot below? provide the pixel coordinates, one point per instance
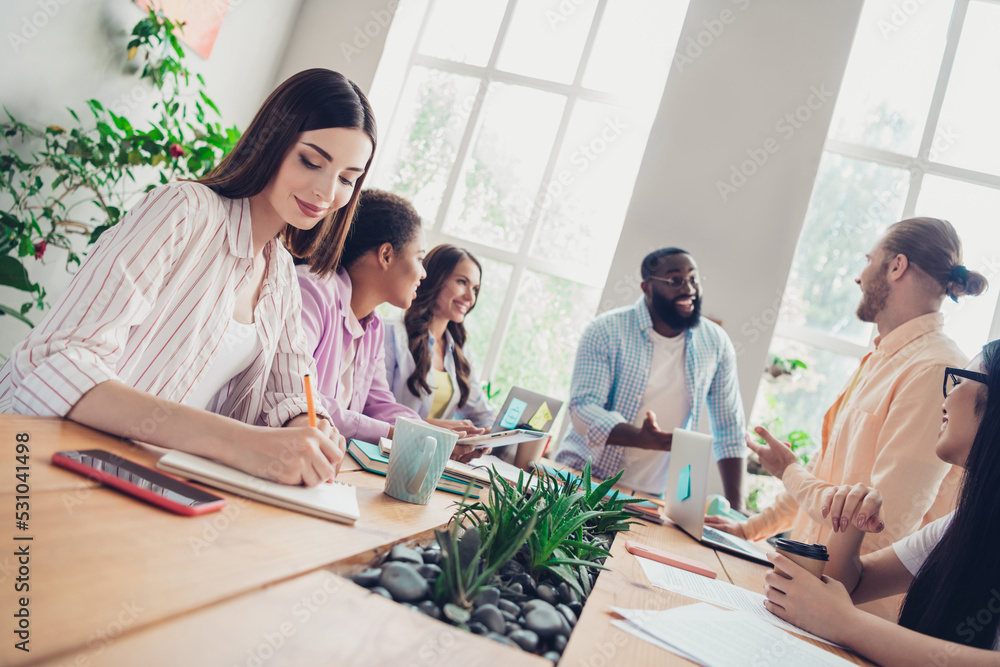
(650, 435)
(774, 455)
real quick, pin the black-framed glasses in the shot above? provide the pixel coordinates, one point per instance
(951, 376)
(675, 282)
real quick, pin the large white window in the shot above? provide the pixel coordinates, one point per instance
(517, 129)
(915, 132)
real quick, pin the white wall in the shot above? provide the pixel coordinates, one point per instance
(58, 53)
(725, 96)
(345, 36)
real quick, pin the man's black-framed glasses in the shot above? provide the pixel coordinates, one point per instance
(675, 282)
(951, 376)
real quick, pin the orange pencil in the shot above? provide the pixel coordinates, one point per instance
(309, 401)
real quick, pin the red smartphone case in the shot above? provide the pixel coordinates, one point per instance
(139, 492)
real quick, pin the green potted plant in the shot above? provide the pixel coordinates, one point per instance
(80, 179)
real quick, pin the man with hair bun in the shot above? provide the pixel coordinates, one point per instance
(881, 430)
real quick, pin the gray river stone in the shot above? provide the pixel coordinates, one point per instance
(478, 628)
(367, 578)
(567, 594)
(526, 639)
(548, 594)
(559, 642)
(432, 556)
(568, 613)
(551, 655)
(429, 572)
(526, 580)
(456, 614)
(378, 590)
(403, 582)
(507, 605)
(406, 554)
(488, 596)
(491, 617)
(430, 608)
(546, 621)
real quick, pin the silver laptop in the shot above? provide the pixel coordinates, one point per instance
(525, 416)
(687, 492)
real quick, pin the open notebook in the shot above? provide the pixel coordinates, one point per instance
(333, 500)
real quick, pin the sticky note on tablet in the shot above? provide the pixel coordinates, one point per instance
(541, 418)
(513, 414)
(684, 483)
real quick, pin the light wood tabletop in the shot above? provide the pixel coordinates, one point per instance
(115, 581)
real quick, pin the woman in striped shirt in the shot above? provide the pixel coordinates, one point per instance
(182, 328)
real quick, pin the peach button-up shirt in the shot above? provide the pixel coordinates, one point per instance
(883, 435)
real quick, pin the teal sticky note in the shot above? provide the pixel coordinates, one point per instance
(513, 414)
(684, 483)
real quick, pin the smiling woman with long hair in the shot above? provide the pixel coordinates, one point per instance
(426, 363)
(182, 327)
(948, 569)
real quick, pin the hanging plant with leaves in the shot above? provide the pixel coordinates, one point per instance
(81, 179)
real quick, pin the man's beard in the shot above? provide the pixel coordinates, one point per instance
(669, 315)
(873, 298)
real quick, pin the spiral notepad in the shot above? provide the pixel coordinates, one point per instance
(332, 500)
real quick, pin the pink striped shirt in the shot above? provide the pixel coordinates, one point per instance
(149, 308)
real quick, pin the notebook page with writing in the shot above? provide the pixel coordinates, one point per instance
(332, 500)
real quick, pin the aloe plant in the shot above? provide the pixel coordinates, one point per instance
(464, 570)
(561, 511)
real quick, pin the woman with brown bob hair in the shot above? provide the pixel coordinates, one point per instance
(182, 328)
(424, 359)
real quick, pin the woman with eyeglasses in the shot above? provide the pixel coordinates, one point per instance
(948, 569)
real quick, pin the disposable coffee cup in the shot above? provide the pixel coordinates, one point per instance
(812, 557)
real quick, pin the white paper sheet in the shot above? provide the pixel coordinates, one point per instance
(717, 638)
(717, 592)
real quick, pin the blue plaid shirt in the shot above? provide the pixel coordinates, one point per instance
(609, 380)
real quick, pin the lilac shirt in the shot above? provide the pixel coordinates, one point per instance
(372, 408)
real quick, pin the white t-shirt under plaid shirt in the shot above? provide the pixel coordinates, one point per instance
(149, 308)
(610, 375)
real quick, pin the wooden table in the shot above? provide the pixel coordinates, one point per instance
(114, 581)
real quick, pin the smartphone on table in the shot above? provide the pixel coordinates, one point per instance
(139, 481)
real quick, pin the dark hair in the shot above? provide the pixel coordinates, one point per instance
(651, 262)
(960, 576)
(933, 246)
(313, 99)
(381, 217)
(439, 264)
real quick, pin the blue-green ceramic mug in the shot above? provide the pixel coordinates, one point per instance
(418, 456)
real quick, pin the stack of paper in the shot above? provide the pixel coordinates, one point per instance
(717, 592)
(715, 637)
